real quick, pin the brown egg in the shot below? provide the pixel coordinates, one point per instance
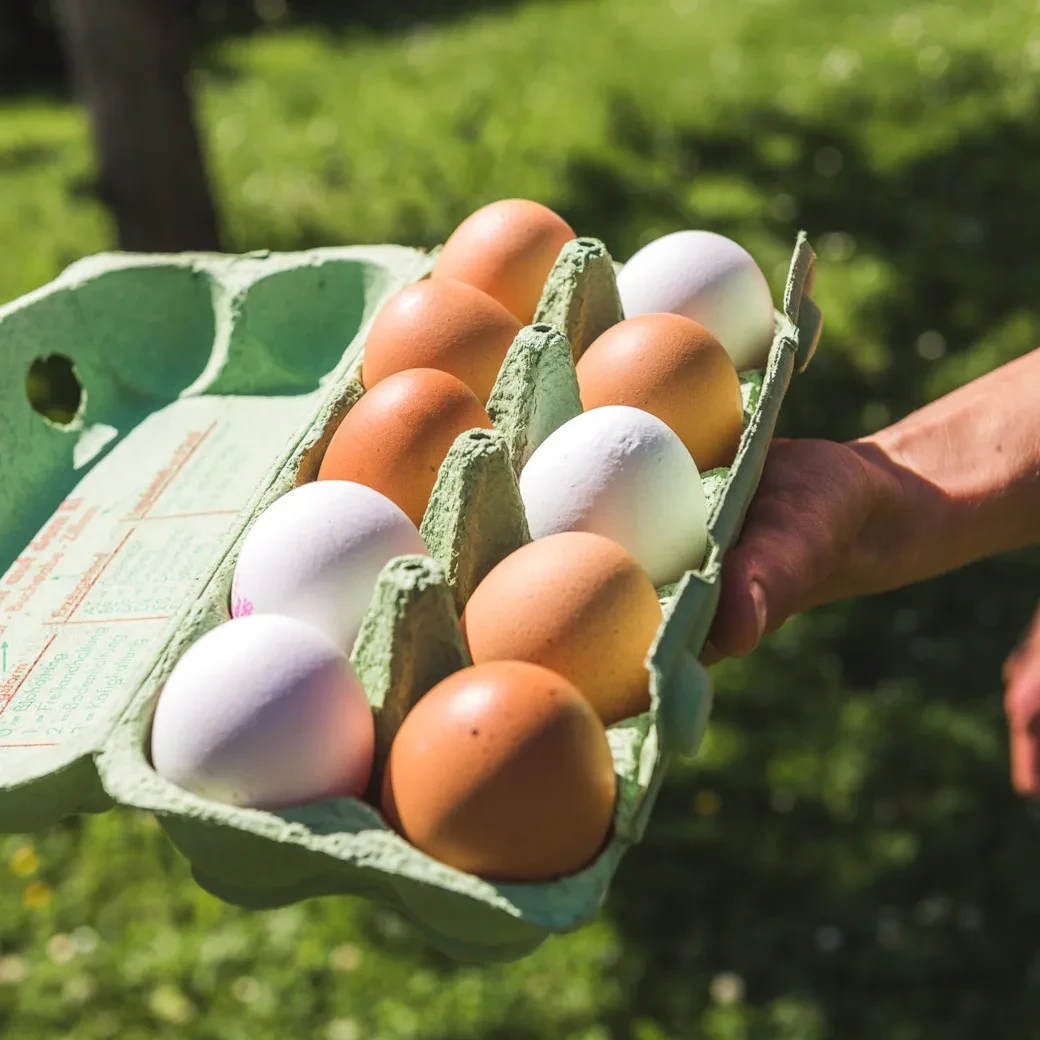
(502, 770)
(446, 325)
(675, 369)
(576, 603)
(395, 438)
(506, 249)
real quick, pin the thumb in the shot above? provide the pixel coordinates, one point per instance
(1023, 711)
(769, 575)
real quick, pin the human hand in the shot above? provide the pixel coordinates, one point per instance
(824, 525)
(1022, 704)
(954, 482)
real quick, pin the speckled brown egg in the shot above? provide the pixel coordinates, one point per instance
(395, 438)
(576, 603)
(506, 249)
(502, 770)
(441, 324)
(675, 369)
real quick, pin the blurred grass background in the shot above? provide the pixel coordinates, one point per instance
(845, 859)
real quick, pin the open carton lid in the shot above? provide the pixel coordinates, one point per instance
(193, 392)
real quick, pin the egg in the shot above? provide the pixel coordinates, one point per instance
(502, 770)
(263, 712)
(710, 279)
(620, 472)
(675, 369)
(442, 324)
(396, 436)
(315, 554)
(575, 603)
(506, 249)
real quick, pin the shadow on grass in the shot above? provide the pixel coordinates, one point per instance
(850, 845)
(852, 840)
(952, 224)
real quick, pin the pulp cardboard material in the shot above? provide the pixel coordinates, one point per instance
(210, 386)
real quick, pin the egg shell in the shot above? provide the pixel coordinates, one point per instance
(620, 472)
(503, 770)
(506, 249)
(675, 369)
(397, 435)
(710, 279)
(442, 324)
(575, 603)
(315, 554)
(263, 712)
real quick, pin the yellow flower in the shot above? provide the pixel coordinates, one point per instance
(37, 895)
(25, 861)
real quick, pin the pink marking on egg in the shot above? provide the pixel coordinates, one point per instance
(240, 606)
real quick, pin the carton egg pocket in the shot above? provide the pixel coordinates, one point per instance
(246, 425)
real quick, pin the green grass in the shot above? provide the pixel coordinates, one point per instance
(845, 858)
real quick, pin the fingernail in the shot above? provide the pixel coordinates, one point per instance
(758, 600)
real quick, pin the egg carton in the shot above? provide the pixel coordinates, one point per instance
(210, 385)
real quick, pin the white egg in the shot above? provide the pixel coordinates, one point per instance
(316, 552)
(264, 712)
(622, 473)
(710, 279)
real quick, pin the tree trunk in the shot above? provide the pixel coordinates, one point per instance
(130, 62)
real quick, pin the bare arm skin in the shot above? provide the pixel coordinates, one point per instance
(1022, 703)
(954, 482)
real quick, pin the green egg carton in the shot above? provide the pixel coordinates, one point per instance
(180, 395)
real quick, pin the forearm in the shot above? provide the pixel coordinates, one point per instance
(963, 477)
